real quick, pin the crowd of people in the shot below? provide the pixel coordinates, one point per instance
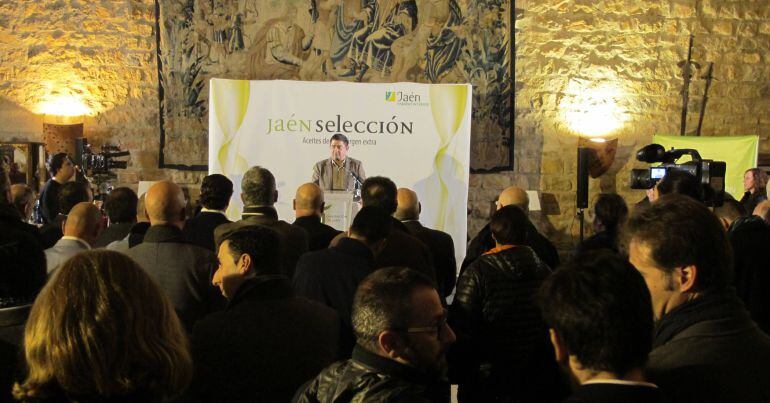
(668, 301)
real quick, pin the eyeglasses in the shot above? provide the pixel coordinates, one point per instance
(438, 327)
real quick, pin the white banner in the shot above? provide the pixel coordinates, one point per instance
(418, 135)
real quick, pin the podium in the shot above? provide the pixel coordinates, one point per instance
(340, 209)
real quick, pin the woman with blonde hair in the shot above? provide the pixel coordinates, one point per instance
(102, 330)
(754, 182)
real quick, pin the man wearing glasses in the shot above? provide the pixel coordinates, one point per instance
(402, 337)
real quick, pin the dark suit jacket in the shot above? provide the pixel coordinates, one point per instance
(115, 232)
(49, 201)
(331, 276)
(182, 270)
(535, 240)
(320, 234)
(199, 230)
(443, 250)
(294, 240)
(263, 346)
(51, 233)
(403, 249)
(749, 237)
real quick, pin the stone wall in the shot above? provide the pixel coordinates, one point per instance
(103, 53)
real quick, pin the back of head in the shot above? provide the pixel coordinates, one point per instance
(680, 232)
(72, 193)
(22, 196)
(408, 205)
(262, 244)
(514, 196)
(383, 301)
(509, 225)
(165, 203)
(216, 190)
(309, 198)
(84, 222)
(55, 163)
(381, 192)
(601, 310)
(611, 210)
(730, 210)
(103, 327)
(682, 183)
(258, 187)
(121, 205)
(372, 224)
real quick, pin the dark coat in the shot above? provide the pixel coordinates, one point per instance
(403, 249)
(750, 200)
(535, 240)
(615, 393)
(199, 230)
(51, 233)
(502, 349)
(723, 357)
(294, 240)
(20, 253)
(601, 240)
(320, 234)
(49, 201)
(442, 249)
(263, 346)
(750, 237)
(368, 377)
(182, 270)
(331, 276)
(115, 232)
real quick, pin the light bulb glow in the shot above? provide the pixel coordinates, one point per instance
(591, 109)
(64, 105)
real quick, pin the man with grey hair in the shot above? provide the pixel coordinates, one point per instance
(259, 195)
(402, 335)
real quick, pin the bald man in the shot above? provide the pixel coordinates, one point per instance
(308, 208)
(483, 242)
(440, 243)
(181, 269)
(81, 227)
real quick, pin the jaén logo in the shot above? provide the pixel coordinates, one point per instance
(390, 96)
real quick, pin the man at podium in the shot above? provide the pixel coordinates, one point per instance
(339, 172)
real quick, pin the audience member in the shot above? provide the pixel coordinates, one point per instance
(259, 195)
(70, 194)
(267, 342)
(182, 270)
(121, 210)
(308, 209)
(440, 243)
(102, 330)
(81, 229)
(23, 198)
(136, 232)
(754, 182)
(402, 335)
(763, 211)
(62, 169)
(610, 212)
(331, 276)
(502, 351)
(678, 182)
(540, 244)
(599, 313)
(216, 190)
(749, 236)
(706, 348)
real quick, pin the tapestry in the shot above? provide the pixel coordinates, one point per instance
(378, 41)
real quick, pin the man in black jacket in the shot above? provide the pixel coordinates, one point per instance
(121, 210)
(61, 168)
(440, 243)
(267, 342)
(706, 347)
(535, 240)
(402, 336)
(308, 207)
(331, 276)
(216, 191)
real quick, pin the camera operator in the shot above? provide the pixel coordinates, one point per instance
(61, 169)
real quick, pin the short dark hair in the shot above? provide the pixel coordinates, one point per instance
(611, 210)
(383, 301)
(72, 193)
(680, 182)
(381, 192)
(216, 190)
(262, 244)
(121, 205)
(372, 223)
(601, 309)
(55, 163)
(258, 187)
(509, 225)
(680, 232)
(731, 210)
(339, 137)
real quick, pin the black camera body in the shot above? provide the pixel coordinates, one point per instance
(96, 164)
(709, 173)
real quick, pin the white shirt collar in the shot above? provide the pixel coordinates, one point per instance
(78, 240)
(205, 210)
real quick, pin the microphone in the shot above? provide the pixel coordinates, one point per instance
(358, 179)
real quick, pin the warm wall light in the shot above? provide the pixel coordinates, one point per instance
(591, 108)
(64, 105)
